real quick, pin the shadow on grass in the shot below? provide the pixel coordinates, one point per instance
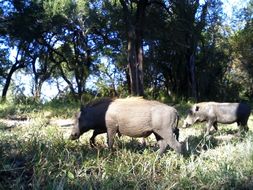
(197, 144)
(134, 145)
(225, 131)
(15, 169)
(34, 161)
(120, 145)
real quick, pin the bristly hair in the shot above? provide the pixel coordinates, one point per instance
(97, 101)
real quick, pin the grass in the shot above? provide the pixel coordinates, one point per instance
(40, 156)
(52, 109)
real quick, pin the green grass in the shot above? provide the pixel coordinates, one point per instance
(40, 156)
(51, 109)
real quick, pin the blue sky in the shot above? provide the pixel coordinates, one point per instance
(228, 5)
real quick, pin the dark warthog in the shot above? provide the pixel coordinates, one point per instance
(91, 116)
(214, 113)
(134, 117)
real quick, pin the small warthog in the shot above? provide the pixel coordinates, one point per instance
(134, 117)
(214, 112)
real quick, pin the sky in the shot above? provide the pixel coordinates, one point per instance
(49, 90)
(228, 6)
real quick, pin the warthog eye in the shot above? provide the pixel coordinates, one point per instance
(190, 112)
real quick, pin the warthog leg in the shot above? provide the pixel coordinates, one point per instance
(110, 137)
(95, 133)
(163, 145)
(176, 133)
(166, 137)
(246, 128)
(215, 125)
(208, 127)
(243, 127)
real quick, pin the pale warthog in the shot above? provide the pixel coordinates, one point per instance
(134, 117)
(214, 112)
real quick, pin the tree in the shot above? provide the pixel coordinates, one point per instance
(213, 57)
(242, 58)
(22, 24)
(173, 53)
(4, 64)
(74, 56)
(42, 69)
(56, 36)
(134, 15)
(19, 63)
(154, 47)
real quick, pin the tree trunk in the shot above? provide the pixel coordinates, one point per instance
(13, 69)
(128, 81)
(191, 55)
(192, 81)
(70, 85)
(132, 62)
(140, 19)
(135, 46)
(37, 93)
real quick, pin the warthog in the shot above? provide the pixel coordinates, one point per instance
(134, 117)
(91, 116)
(214, 112)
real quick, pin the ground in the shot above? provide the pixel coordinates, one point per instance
(35, 153)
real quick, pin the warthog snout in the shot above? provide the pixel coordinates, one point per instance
(74, 136)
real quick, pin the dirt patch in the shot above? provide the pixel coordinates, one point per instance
(62, 122)
(17, 122)
(9, 123)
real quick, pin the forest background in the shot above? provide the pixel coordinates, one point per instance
(167, 50)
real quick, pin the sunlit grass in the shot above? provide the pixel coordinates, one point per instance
(32, 110)
(40, 156)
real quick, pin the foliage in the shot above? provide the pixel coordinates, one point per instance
(4, 62)
(179, 49)
(241, 65)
